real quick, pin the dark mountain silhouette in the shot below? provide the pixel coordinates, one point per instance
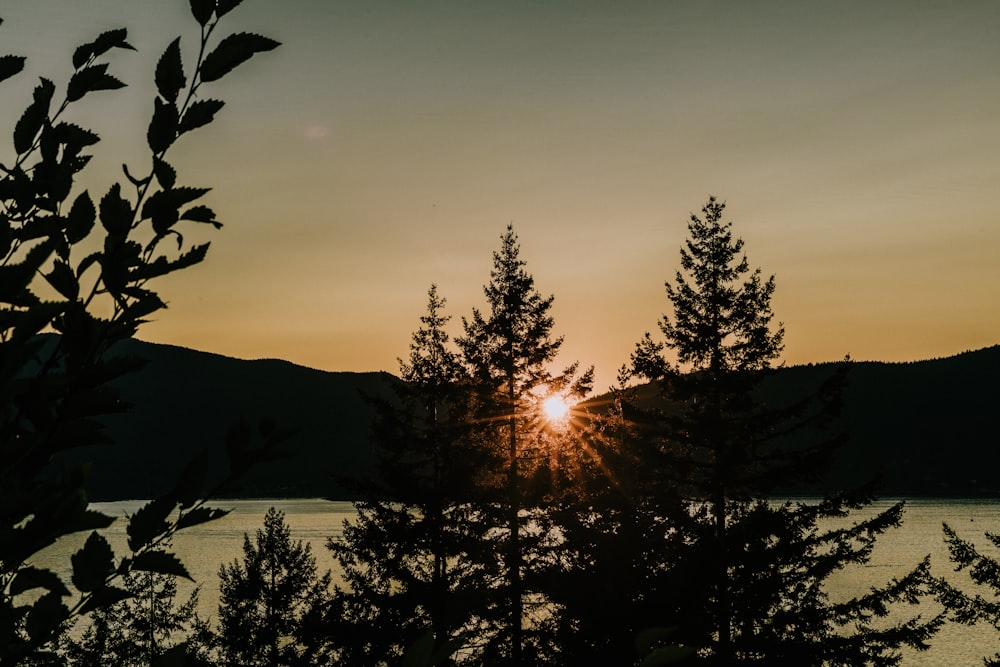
(184, 401)
(928, 428)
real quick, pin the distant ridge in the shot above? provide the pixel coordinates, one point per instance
(928, 427)
(185, 401)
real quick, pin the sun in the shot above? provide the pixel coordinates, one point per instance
(555, 408)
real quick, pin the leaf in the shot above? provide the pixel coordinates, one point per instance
(30, 578)
(201, 214)
(148, 523)
(162, 266)
(93, 564)
(87, 262)
(45, 616)
(81, 218)
(62, 278)
(104, 597)
(104, 43)
(225, 6)
(160, 562)
(14, 278)
(199, 516)
(116, 212)
(111, 39)
(202, 10)
(170, 72)
(162, 127)
(232, 51)
(90, 79)
(145, 302)
(161, 211)
(11, 65)
(163, 206)
(34, 117)
(91, 519)
(74, 137)
(200, 113)
(165, 174)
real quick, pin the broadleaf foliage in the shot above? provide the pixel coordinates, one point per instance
(233, 51)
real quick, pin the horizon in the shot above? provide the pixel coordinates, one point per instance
(596, 390)
(387, 147)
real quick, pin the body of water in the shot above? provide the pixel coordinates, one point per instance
(204, 548)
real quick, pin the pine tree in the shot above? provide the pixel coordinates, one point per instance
(748, 585)
(272, 606)
(983, 569)
(412, 559)
(508, 353)
(607, 575)
(137, 631)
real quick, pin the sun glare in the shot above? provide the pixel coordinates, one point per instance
(556, 409)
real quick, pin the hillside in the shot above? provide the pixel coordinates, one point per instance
(927, 427)
(185, 401)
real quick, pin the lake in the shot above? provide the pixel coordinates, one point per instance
(204, 548)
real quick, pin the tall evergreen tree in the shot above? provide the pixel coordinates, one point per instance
(273, 607)
(607, 574)
(412, 560)
(508, 353)
(749, 584)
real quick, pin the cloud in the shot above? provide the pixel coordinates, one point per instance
(317, 132)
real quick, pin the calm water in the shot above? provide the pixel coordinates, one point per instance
(204, 548)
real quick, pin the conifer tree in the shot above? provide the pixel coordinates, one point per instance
(412, 560)
(272, 605)
(748, 583)
(606, 576)
(137, 631)
(508, 352)
(983, 570)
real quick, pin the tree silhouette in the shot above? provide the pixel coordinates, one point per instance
(507, 353)
(412, 559)
(86, 286)
(748, 586)
(607, 576)
(139, 630)
(272, 605)
(983, 570)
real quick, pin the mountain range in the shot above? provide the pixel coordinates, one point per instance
(927, 428)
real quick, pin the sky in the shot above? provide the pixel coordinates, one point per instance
(386, 145)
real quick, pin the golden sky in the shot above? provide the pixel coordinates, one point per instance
(386, 145)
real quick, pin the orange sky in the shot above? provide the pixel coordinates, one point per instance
(386, 145)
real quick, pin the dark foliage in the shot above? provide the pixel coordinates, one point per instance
(413, 561)
(737, 575)
(507, 353)
(141, 629)
(983, 570)
(273, 607)
(55, 389)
